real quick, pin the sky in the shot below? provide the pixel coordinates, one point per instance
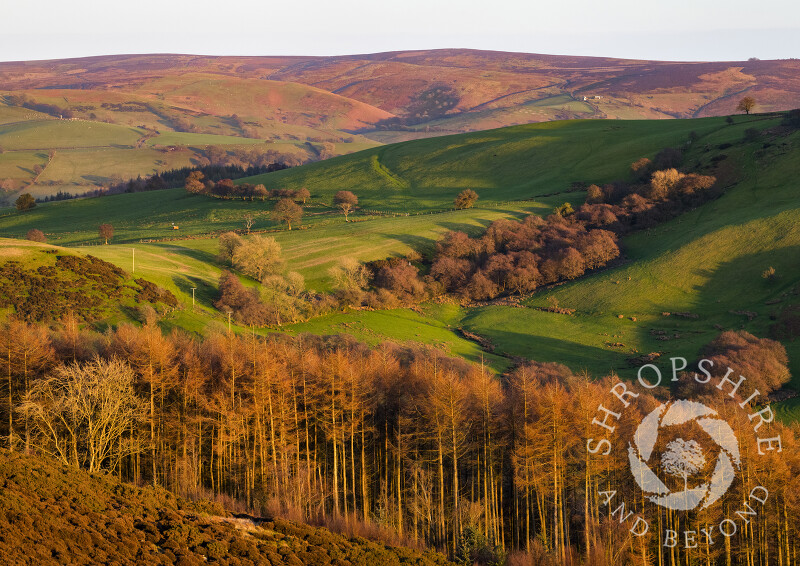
(681, 30)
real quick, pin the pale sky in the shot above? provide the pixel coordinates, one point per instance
(665, 30)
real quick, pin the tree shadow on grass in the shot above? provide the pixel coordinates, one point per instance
(578, 357)
(199, 255)
(424, 245)
(205, 293)
(471, 229)
(735, 296)
(96, 179)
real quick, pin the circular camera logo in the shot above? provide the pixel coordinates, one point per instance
(660, 445)
(683, 455)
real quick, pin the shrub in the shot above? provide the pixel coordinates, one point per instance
(35, 235)
(401, 278)
(594, 194)
(787, 325)
(564, 210)
(662, 184)
(761, 360)
(668, 158)
(642, 168)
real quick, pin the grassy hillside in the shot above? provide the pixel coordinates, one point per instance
(708, 262)
(510, 163)
(54, 514)
(44, 283)
(310, 107)
(524, 162)
(84, 154)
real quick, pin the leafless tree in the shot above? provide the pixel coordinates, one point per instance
(82, 413)
(288, 211)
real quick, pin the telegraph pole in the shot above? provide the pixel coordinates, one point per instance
(193, 288)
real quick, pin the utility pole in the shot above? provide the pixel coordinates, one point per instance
(133, 256)
(193, 288)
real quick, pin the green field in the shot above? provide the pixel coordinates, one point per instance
(66, 134)
(501, 165)
(88, 154)
(707, 262)
(11, 114)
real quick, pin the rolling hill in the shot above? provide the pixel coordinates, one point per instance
(309, 108)
(707, 262)
(479, 80)
(396, 184)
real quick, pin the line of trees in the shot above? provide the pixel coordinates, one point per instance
(197, 183)
(517, 257)
(511, 257)
(437, 449)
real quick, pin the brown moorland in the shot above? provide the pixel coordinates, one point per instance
(356, 92)
(54, 514)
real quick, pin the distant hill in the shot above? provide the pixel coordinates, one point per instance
(463, 80)
(171, 108)
(54, 514)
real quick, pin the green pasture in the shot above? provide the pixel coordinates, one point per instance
(518, 162)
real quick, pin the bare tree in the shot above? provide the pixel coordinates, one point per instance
(350, 274)
(248, 222)
(228, 242)
(83, 411)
